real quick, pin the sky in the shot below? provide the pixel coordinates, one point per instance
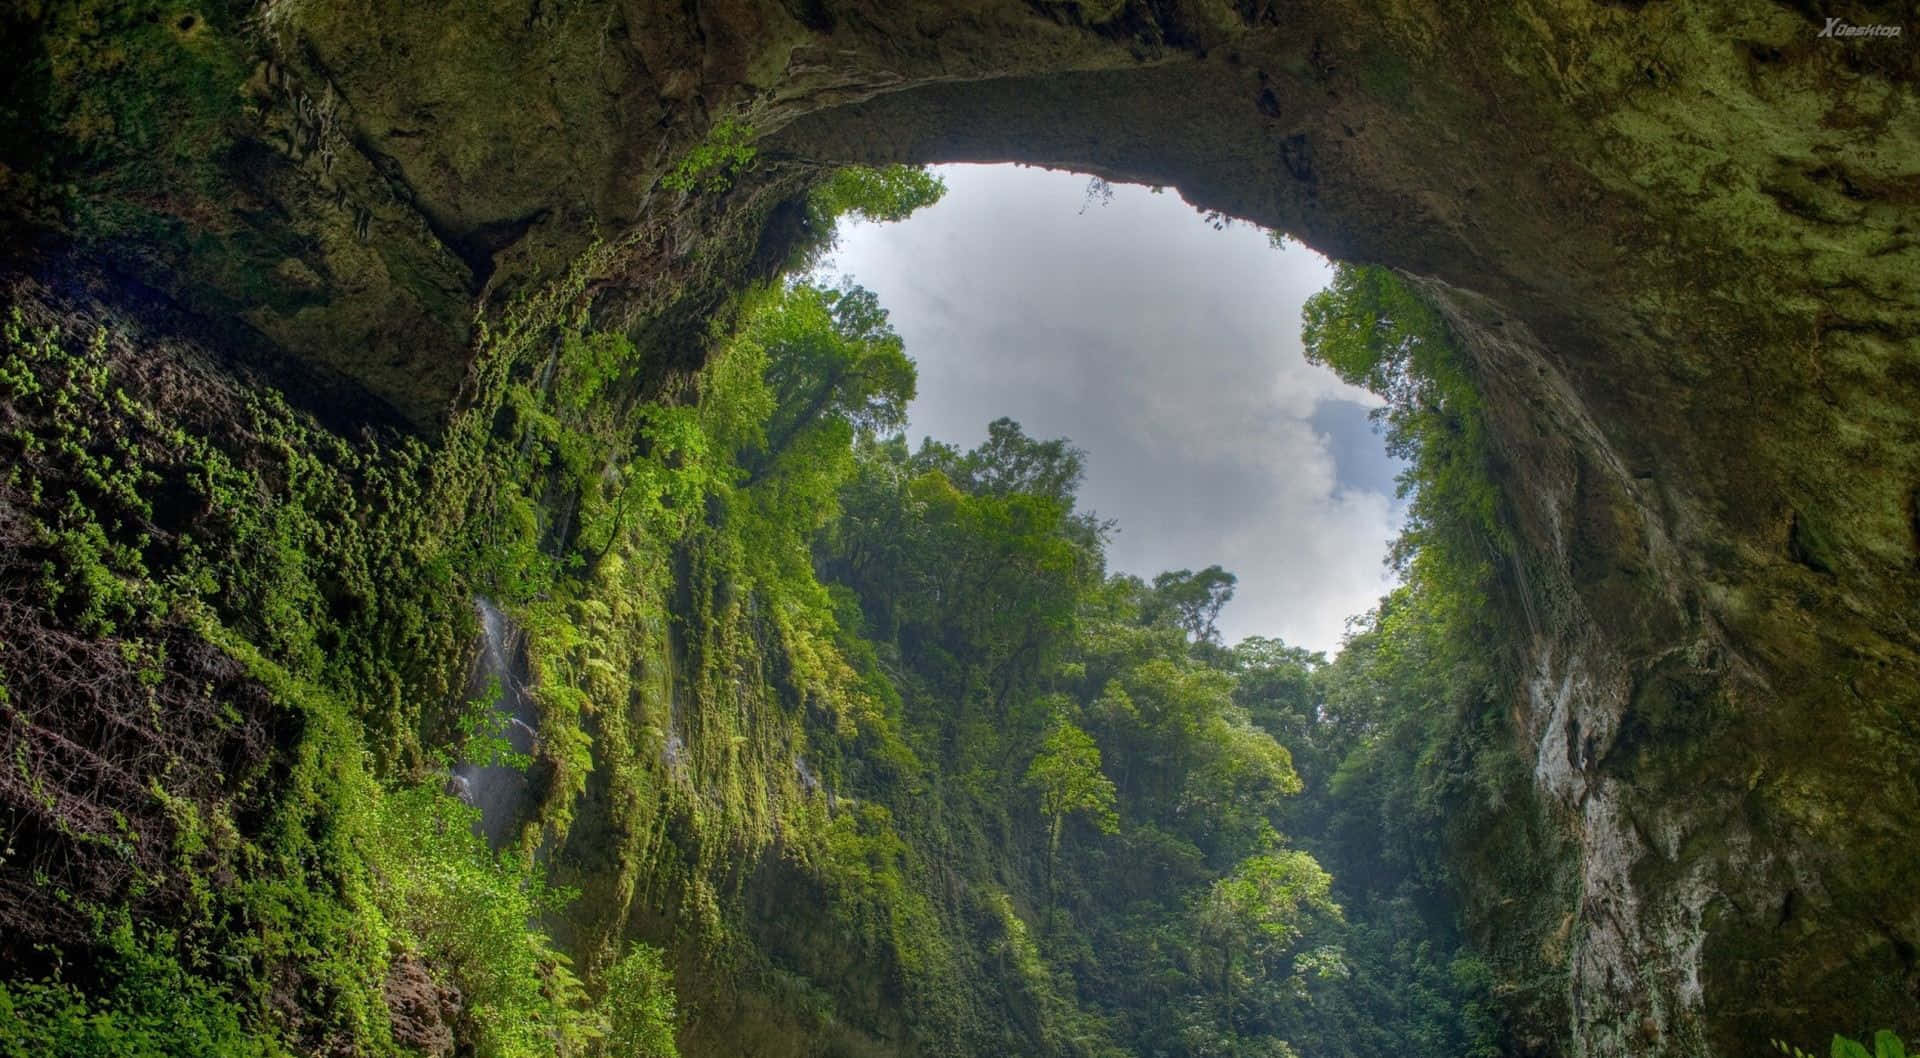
(1167, 350)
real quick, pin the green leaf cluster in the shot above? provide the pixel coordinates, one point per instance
(1886, 1044)
(1375, 330)
(712, 165)
(868, 736)
(1066, 775)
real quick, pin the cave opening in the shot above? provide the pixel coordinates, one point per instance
(1674, 243)
(1164, 341)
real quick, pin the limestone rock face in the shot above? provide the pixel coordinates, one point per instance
(1680, 239)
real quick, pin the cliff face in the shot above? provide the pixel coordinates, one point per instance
(1679, 239)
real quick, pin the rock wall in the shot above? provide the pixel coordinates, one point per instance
(1680, 239)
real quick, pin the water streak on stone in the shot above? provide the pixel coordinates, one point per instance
(494, 786)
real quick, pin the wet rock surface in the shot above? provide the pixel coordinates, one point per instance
(499, 787)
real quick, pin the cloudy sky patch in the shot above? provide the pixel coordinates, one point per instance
(1170, 352)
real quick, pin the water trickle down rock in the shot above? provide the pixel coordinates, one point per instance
(674, 751)
(808, 780)
(500, 791)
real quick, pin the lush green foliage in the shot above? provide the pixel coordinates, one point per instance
(966, 670)
(639, 1002)
(833, 369)
(1885, 1045)
(149, 1007)
(885, 194)
(1066, 775)
(866, 734)
(1403, 740)
(1073, 709)
(266, 583)
(711, 165)
(469, 914)
(1375, 331)
(1194, 599)
(889, 193)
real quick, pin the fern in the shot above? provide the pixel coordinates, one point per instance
(1885, 1045)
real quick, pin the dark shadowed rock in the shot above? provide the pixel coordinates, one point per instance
(423, 1010)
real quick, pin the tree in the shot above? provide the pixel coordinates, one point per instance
(1236, 787)
(976, 566)
(832, 363)
(1261, 909)
(889, 193)
(1009, 462)
(1192, 600)
(638, 1005)
(1375, 330)
(1066, 774)
(1276, 685)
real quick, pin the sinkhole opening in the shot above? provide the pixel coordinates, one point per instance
(1165, 344)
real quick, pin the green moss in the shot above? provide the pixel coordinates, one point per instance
(719, 728)
(712, 165)
(135, 101)
(1809, 543)
(1385, 73)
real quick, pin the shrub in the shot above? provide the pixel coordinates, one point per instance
(639, 1006)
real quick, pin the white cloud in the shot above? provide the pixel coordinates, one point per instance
(1170, 352)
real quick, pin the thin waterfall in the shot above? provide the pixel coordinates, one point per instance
(498, 789)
